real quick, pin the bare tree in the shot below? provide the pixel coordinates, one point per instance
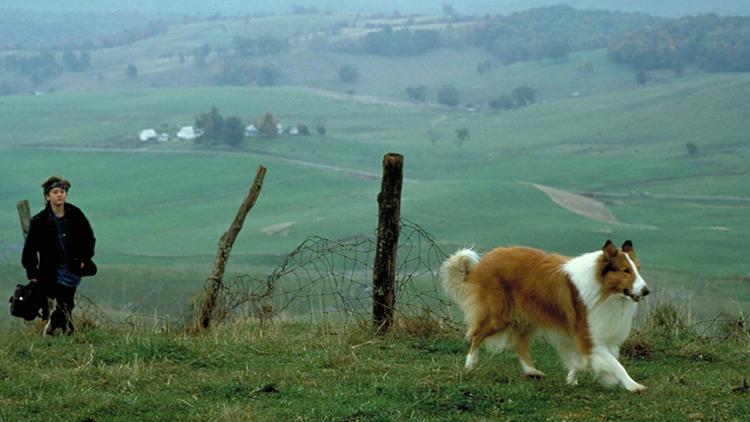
(692, 149)
(462, 135)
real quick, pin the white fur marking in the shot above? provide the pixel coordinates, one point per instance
(581, 271)
(640, 283)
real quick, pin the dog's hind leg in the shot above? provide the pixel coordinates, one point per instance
(522, 350)
(478, 334)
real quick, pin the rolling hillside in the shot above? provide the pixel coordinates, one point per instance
(165, 206)
(158, 209)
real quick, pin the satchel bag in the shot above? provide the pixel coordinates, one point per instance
(27, 302)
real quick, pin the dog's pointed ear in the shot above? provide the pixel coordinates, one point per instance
(627, 247)
(609, 249)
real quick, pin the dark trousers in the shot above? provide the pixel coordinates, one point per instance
(61, 316)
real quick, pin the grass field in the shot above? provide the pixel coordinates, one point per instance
(166, 206)
(329, 371)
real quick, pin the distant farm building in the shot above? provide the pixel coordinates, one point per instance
(148, 135)
(251, 130)
(189, 133)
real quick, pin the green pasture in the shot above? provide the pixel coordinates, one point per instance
(163, 207)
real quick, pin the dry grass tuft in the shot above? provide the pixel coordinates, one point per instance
(665, 318)
(423, 325)
(636, 346)
(737, 328)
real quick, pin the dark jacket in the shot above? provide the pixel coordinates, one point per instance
(40, 252)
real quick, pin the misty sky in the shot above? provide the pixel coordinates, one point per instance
(240, 7)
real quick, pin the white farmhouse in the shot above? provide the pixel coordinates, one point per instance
(189, 133)
(147, 135)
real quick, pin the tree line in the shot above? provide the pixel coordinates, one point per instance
(217, 129)
(550, 32)
(710, 42)
(43, 66)
(449, 95)
(553, 32)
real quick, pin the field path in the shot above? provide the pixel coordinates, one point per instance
(362, 174)
(578, 204)
(369, 99)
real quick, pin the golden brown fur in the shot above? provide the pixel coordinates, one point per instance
(522, 290)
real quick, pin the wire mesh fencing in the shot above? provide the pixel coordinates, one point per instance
(334, 278)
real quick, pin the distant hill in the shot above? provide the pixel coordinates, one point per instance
(388, 53)
(84, 30)
(665, 8)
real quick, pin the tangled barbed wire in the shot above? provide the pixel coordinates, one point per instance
(334, 277)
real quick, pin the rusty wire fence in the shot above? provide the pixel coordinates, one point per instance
(334, 278)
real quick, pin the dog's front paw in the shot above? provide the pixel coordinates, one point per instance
(636, 388)
(534, 373)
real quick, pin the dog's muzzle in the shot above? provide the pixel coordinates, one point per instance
(636, 296)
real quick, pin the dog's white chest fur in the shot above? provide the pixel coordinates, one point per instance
(609, 320)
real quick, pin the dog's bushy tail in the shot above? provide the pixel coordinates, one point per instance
(453, 273)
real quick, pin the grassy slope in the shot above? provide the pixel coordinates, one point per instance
(323, 371)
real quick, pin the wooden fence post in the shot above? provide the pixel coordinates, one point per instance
(24, 213)
(389, 218)
(226, 242)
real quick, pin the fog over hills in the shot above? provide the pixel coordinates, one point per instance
(668, 8)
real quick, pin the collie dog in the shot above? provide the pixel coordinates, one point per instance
(582, 306)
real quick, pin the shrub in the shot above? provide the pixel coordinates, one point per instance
(503, 102)
(448, 95)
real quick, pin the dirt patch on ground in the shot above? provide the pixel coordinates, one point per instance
(281, 229)
(578, 204)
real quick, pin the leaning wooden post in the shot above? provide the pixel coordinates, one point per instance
(24, 213)
(214, 282)
(389, 217)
